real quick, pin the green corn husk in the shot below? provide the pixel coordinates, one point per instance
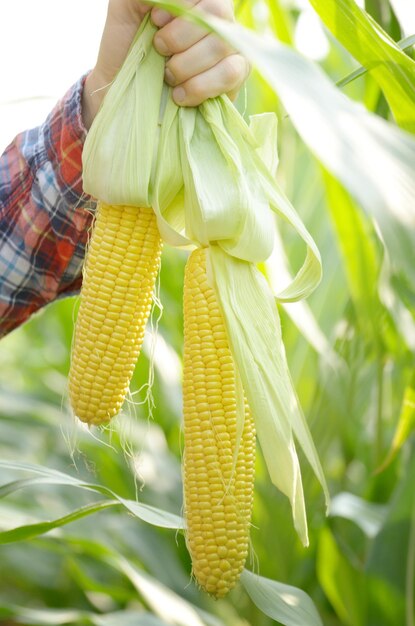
(210, 179)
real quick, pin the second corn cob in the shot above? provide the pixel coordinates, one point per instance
(119, 275)
(218, 477)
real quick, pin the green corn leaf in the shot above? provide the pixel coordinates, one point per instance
(406, 424)
(145, 512)
(357, 241)
(342, 583)
(28, 531)
(286, 604)
(129, 618)
(367, 516)
(289, 605)
(372, 47)
(167, 604)
(43, 617)
(58, 617)
(362, 259)
(404, 44)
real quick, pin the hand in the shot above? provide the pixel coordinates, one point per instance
(199, 64)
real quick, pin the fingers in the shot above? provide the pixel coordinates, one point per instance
(204, 55)
(179, 35)
(227, 76)
(200, 65)
(160, 17)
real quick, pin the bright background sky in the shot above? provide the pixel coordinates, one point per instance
(45, 45)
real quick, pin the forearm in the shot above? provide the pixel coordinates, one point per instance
(43, 218)
(43, 222)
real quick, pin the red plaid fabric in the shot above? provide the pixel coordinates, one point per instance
(44, 214)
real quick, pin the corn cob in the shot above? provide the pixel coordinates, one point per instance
(218, 492)
(119, 276)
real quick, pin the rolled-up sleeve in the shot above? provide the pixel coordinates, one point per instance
(44, 215)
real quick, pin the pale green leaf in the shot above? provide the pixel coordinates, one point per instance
(264, 127)
(129, 618)
(259, 354)
(367, 515)
(117, 169)
(167, 604)
(222, 202)
(278, 274)
(286, 604)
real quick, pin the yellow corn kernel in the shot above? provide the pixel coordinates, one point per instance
(218, 493)
(120, 271)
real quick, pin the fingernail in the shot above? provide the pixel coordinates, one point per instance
(160, 17)
(169, 77)
(160, 46)
(179, 95)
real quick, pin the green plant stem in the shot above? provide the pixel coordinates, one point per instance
(410, 572)
(404, 44)
(379, 412)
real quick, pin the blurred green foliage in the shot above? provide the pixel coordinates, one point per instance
(111, 568)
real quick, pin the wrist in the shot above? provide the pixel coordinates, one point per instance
(95, 88)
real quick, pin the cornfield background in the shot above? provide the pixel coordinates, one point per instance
(73, 547)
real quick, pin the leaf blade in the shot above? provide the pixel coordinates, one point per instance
(145, 512)
(372, 47)
(287, 604)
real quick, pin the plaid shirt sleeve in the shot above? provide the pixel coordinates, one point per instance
(44, 214)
